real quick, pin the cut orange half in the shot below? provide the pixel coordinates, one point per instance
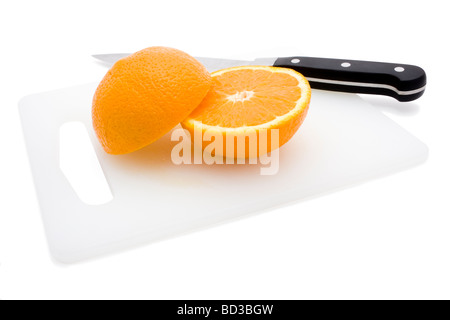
(253, 104)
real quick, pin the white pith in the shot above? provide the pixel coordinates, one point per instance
(241, 96)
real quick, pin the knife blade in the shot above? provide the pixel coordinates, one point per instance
(403, 82)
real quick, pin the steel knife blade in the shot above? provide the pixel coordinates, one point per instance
(403, 82)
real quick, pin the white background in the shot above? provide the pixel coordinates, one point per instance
(388, 238)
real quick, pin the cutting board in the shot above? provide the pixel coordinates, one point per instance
(343, 141)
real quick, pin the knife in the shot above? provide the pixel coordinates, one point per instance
(403, 82)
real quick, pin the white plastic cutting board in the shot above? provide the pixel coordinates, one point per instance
(343, 141)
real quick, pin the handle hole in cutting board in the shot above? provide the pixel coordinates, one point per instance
(79, 163)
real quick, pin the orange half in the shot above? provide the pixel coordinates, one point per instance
(245, 102)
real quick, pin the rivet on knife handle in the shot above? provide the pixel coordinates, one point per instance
(400, 81)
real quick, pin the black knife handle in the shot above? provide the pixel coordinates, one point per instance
(401, 81)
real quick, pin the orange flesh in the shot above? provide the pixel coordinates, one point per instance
(247, 98)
